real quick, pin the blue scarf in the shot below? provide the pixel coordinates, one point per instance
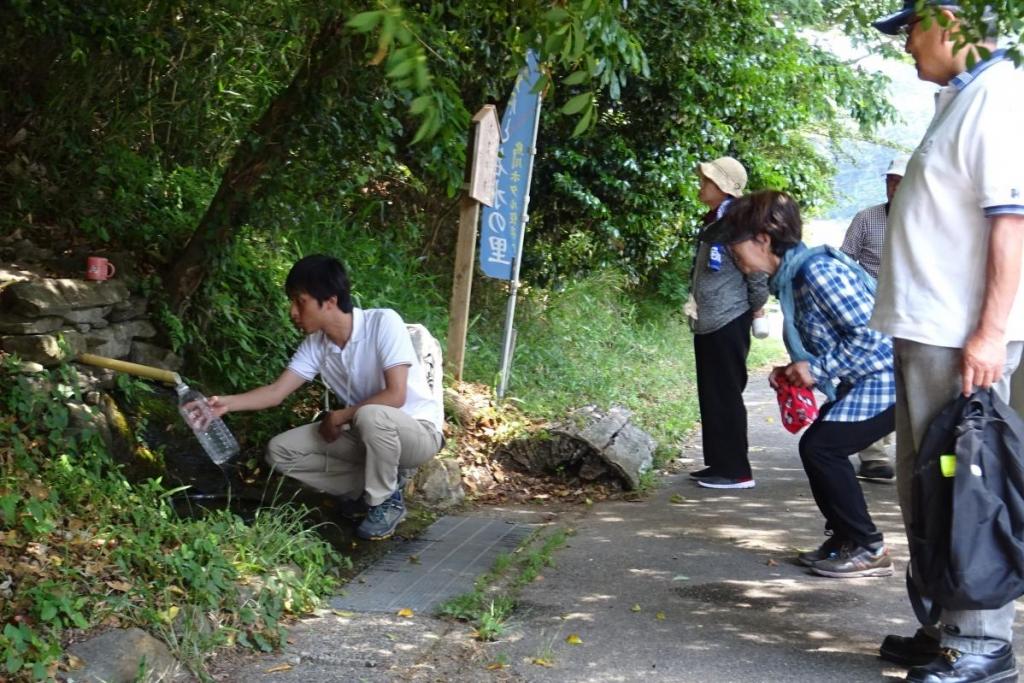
(781, 285)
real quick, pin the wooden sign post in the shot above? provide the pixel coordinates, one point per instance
(483, 177)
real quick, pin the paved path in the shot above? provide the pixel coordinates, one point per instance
(719, 596)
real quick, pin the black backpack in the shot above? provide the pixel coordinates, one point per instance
(967, 541)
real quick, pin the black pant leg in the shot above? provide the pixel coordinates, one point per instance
(825, 449)
(721, 358)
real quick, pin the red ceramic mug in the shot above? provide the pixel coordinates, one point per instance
(99, 268)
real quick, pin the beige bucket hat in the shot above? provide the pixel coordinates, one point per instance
(725, 172)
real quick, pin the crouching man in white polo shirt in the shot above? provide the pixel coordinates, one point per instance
(391, 420)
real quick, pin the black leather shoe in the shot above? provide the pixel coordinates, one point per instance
(916, 651)
(953, 666)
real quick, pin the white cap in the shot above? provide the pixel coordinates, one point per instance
(898, 166)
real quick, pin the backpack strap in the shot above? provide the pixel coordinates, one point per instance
(926, 610)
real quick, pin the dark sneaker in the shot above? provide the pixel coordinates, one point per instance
(852, 562)
(701, 474)
(725, 483)
(876, 469)
(382, 519)
(830, 548)
(953, 666)
(916, 651)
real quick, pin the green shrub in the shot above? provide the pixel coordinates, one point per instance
(82, 546)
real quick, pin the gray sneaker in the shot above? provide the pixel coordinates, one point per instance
(381, 520)
(853, 562)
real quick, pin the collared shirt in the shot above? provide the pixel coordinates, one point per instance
(379, 341)
(968, 168)
(832, 308)
(865, 236)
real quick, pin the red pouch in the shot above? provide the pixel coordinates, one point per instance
(796, 404)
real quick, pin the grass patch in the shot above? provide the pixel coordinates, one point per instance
(593, 343)
(493, 598)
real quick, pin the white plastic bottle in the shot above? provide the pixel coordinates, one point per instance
(760, 327)
(215, 437)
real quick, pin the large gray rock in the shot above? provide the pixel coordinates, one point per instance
(87, 316)
(595, 427)
(115, 341)
(145, 353)
(57, 297)
(111, 342)
(134, 307)
(591, 443)
(44, 348)
(12, 323)
(438, 483)
(627, 450)
(142, 329)
(119, 655)
(631, 453)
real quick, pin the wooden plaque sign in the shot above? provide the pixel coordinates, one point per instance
(484, 173)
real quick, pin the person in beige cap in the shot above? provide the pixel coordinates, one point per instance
(722, 305)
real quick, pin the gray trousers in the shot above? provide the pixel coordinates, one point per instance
(878, 451)
(928, 378)
(365, 458)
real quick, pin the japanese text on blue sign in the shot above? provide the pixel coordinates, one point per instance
(502, 223)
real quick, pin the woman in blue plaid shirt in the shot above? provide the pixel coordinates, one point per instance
(826, 301)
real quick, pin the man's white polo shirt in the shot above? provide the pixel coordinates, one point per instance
(969, 167)
(379, 341)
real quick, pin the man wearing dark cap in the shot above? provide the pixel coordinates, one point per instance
(948, 291)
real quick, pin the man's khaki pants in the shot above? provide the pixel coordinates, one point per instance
(365, 458)
(927, 379)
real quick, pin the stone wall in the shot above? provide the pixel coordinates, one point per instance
(102, 318)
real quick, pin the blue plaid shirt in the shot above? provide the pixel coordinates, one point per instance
(832, 312)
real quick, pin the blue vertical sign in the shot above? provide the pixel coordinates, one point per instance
(502, 224)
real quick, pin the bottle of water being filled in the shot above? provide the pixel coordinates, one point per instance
(217, 440)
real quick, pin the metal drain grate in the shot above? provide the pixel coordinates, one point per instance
(448, 558)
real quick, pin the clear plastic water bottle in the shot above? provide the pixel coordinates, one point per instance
(215, 437)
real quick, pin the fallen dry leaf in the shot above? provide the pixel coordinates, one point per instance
(660, 616)
(540, 661)
(343, 613)
(574, 639)
(405, 612)
(121, 586)
(772, 563)
(279, 668)
(495, 666)
(676, 499)
(635, 608)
